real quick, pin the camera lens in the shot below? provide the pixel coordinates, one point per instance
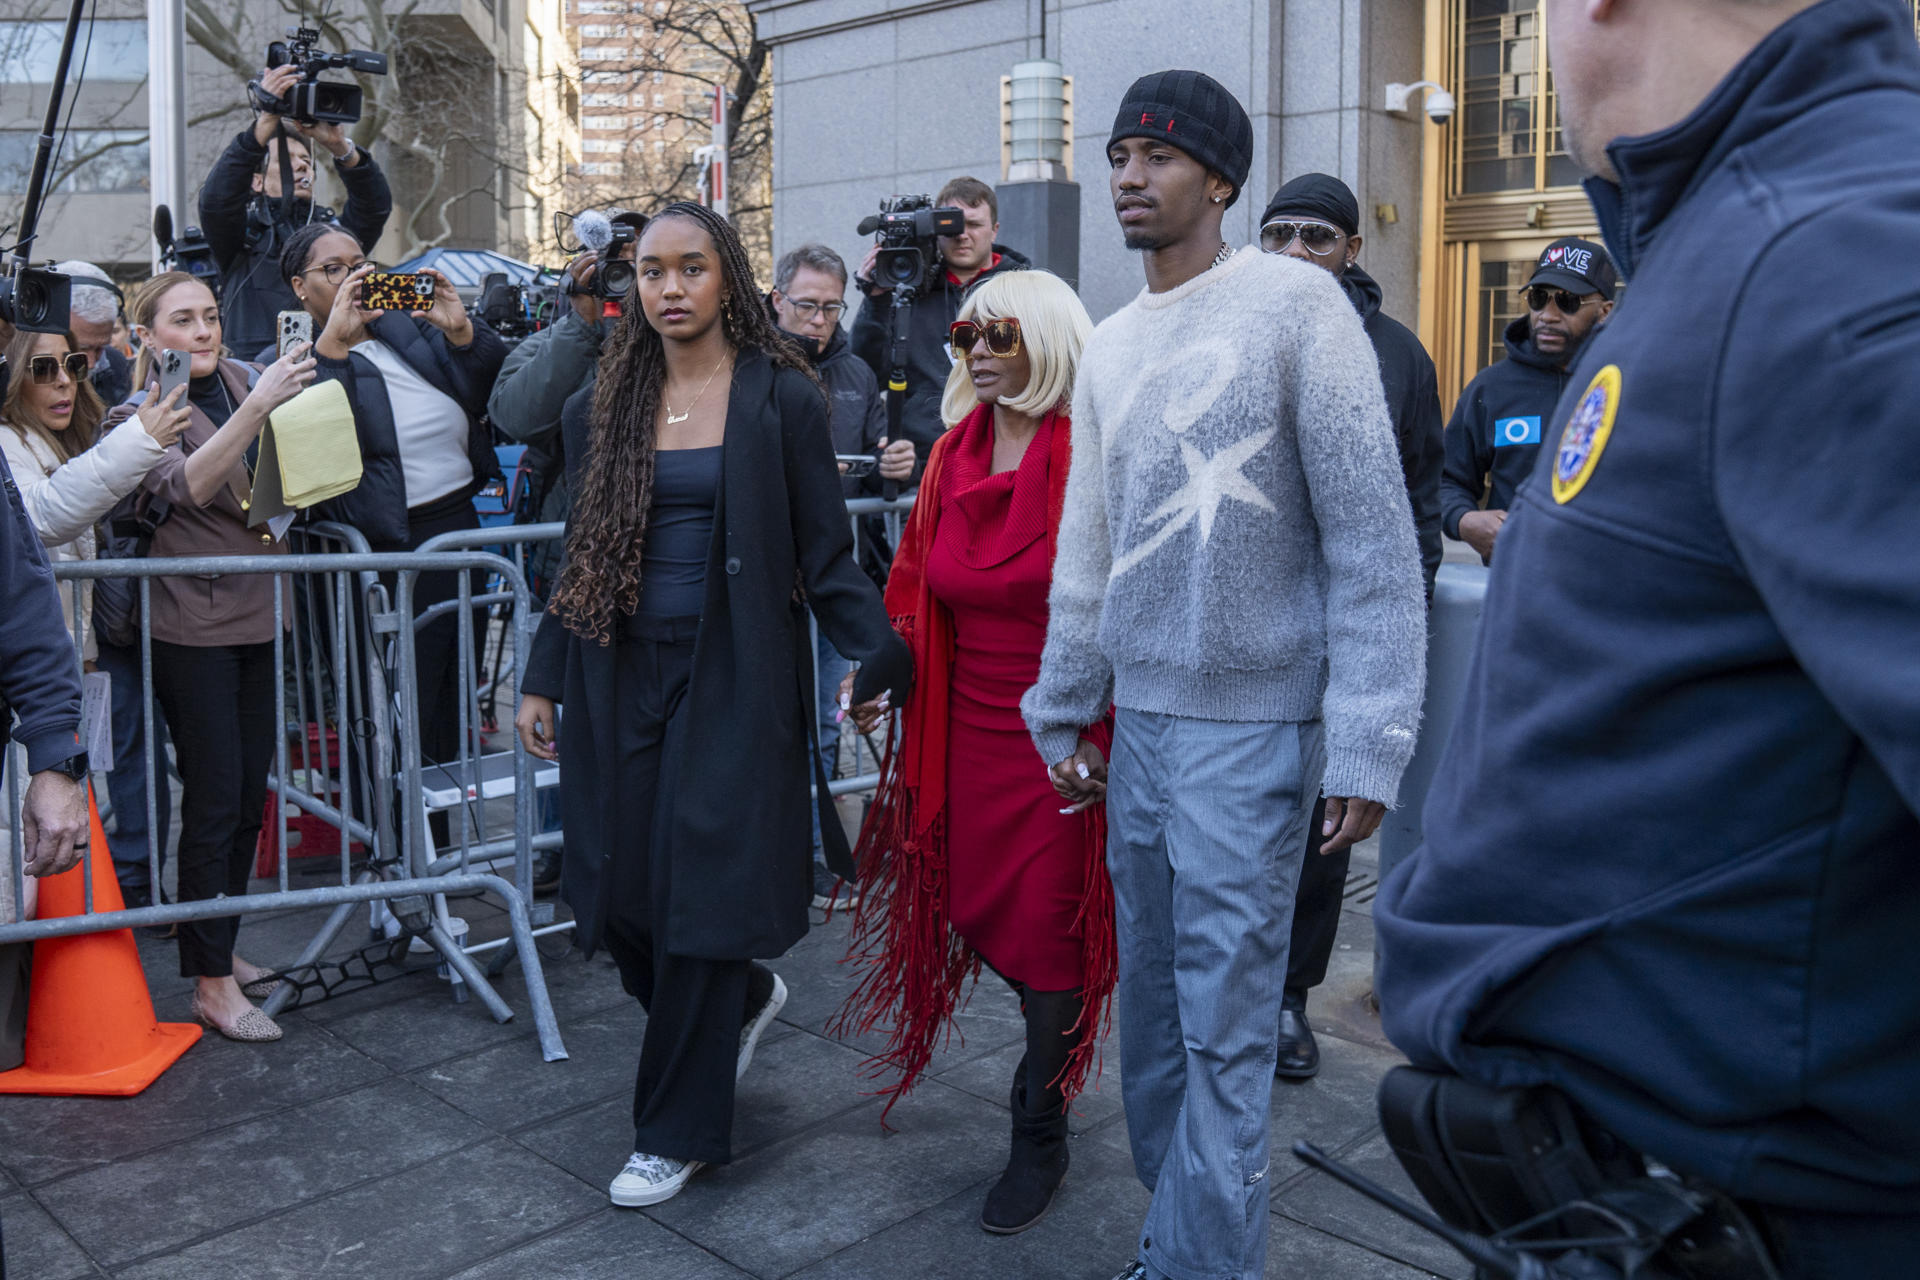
(615, 278)
(31, 304)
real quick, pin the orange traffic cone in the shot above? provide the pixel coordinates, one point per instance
(90, 1023)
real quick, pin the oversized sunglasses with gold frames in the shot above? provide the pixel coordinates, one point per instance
(43, 369)
(1003, 337)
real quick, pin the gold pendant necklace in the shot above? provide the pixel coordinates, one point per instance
(673, 417)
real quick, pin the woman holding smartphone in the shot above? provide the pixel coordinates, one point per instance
(213, 666)
(707, 518)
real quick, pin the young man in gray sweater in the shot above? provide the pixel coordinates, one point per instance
(1237, 568)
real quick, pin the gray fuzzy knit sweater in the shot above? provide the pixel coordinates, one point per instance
(1236, 542)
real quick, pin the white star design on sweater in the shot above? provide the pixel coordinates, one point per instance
(1210, 481)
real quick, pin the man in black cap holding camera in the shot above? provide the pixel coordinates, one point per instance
(1237, 575)
(1315, 218)
(1495, 433)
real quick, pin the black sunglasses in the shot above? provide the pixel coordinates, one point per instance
(1320, 238)
(44, 369)
(1003, 337)
(1536, 296)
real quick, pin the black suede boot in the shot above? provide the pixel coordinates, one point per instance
(1038, 1161)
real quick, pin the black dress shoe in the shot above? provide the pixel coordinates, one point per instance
(546, 873)
(1299, 1056)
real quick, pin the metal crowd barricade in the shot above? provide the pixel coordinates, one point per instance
(400, 875)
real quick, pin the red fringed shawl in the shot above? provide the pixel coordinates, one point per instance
(916, 966)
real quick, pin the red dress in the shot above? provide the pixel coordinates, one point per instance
(1017, 871)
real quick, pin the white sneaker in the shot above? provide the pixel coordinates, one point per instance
(750, 1034)
(650, 1180)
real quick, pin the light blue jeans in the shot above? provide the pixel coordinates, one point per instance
(1206, 825)
(833, 669)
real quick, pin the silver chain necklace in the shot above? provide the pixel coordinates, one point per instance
(1226, 251)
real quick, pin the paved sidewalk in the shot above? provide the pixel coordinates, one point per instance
(394, 1134)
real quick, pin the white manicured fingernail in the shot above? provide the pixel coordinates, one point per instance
(1081, 769)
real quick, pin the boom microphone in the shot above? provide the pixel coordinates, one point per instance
(594, 229)
(869, 224)
(162, 227)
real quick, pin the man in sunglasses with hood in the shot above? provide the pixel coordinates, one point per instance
(1495, 433)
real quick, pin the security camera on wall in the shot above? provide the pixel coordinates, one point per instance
(1439, 103)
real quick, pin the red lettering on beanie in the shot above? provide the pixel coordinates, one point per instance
(1146, 119)
(1169, 126)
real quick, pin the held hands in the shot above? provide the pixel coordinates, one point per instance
(1478, 529)
(1081, 779)
(585, 305)
(53, 823)
(449, 314)
(864, 276)
(164, 420)
(333, 137)
(538, 724)
(285, 378)
(347, 322)
(1350, 820)
(274, 82)
(896, 460)
(868, 715)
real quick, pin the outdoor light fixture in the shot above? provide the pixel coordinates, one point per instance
(1036, 123)
(1439, 102)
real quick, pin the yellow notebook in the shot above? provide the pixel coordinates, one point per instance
(308, 453)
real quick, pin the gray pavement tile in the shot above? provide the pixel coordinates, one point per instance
(36, 1247)
(164, 1198)
(1334, 1107)
(780, 1209)
(429, 1027)
(614, 1244)
(796, 1081)
(1319, 1201)
(420, 1224)
(1295, 1249)
(216, 1083)
(509, 1086)
(1087, 1234)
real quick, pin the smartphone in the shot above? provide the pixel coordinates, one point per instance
(857, 464)
(175, 368)
(397, 291)
(294, 329)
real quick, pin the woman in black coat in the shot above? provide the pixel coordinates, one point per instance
(707, 518)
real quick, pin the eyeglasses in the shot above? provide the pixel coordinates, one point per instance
(44, 369)
(1536, 296)
(335, 272)
(1003, 337)
(1321, 238)
(807, 308)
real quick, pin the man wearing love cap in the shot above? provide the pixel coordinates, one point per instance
(1237, 575)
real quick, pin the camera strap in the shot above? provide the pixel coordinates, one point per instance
(286, 174)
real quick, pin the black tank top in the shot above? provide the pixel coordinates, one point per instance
(673, 564)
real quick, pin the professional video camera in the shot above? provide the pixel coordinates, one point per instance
(36, 300)
(314, 101)
(188, 251)
(594, 232)
(514, 311)
(908, 227)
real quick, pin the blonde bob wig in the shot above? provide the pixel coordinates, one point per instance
(1054, 329)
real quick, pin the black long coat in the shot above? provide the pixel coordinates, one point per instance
(738, 823)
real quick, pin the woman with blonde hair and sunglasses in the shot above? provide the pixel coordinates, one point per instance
(975, 857)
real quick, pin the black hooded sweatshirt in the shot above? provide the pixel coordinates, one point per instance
(1495, 433)
(1413, 402)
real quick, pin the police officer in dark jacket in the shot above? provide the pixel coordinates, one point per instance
(1495, 433)
(1315, 218)
(1672, 858)
(965, 260)
(248, 209)
(40, 682)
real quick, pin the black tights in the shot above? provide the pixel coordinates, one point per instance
(1050, 1018)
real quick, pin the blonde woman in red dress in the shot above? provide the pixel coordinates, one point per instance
(969, 855)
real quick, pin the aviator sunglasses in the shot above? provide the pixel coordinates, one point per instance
(44, 369)
(1321, 238)
(1003, 337)
(1536, 296)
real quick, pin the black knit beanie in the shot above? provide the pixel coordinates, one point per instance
(1195, 113)
(1316, 195)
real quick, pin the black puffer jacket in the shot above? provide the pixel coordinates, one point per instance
(928, 362)
(378, 507)
(1413, 402)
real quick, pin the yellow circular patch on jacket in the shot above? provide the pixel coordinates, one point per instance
(1584, 438)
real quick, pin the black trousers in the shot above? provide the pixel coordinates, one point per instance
(683, 1089)
(219, 707)
(1316, 913)
(436, 646)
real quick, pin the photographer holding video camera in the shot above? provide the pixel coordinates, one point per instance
(952, 237)
(260, 190)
